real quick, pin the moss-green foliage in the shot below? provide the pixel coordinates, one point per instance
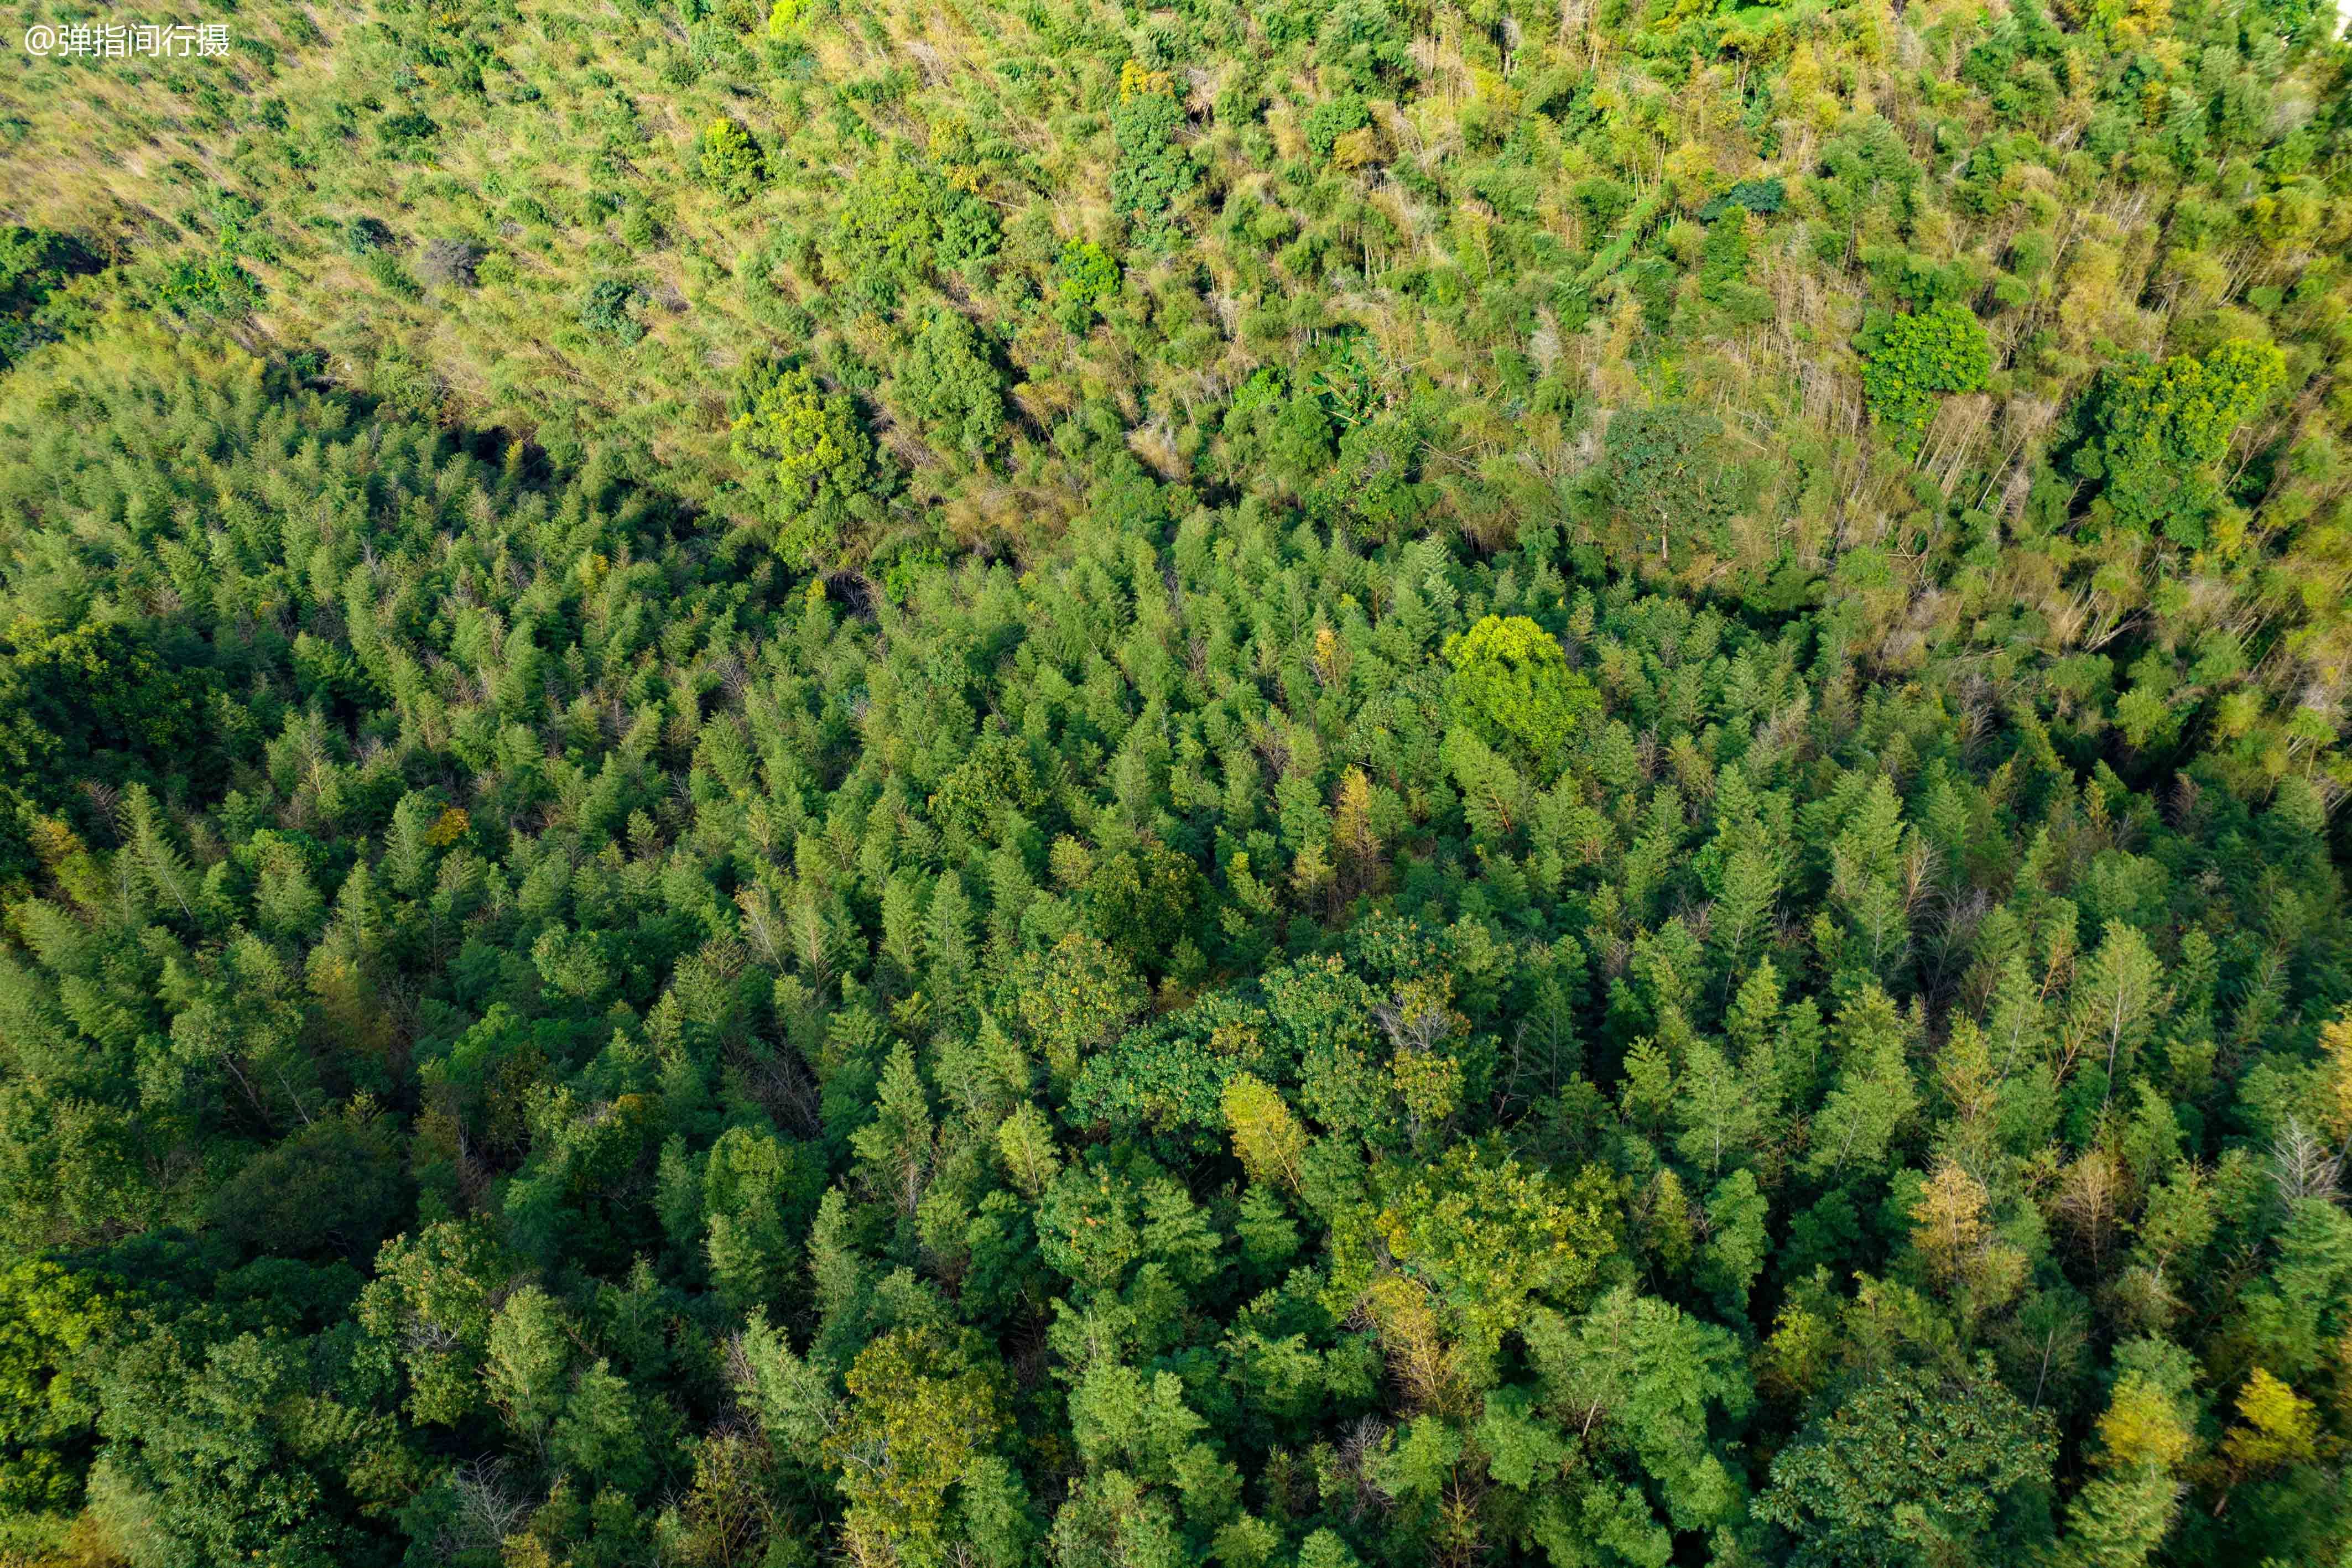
(1667, 469)
(49, 1394)
(1087, 276)
(898, 221)
(1154, 172)
(609, 310)
(1762, 197)
(1854, 1492)
(1333, 118)
(1728, 263)
(946, 380)
(1911, 359)
(34, 269)
(1363, 42)
(213, 287)
(96, 703)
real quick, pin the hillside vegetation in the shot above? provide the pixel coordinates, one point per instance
(1286, 788)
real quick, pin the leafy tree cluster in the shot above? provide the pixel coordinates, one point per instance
(2157, 432)
(1154, 171)
(947, 380)
(731, 161)
(1088, 278)
(1912, 358)
(807, 456)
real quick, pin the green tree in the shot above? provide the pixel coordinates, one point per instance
(226, 1454)
(1024, 1143)
(1664, 468)
(945, 379)
(1462, 1248)
(733, 163)
(757, 1195)
(1154, 170)
(1140, 897)
(1645, 1383)
(2115, 998)
(899, 1149)
(1720, 1114)
(603, 1433)
(898, 220)
(1873, 1093)
(2155, 431)
(1267, 1139)
(1909, 360)
(921, 1418)
(434, 1297)
(809, 462)
(92, 700)
(333, 1188)
(1076, 997)
(605, 311)
(2122, 1513)
(53, 1329)
(527, 1352)
(1085, 277)
(1908, 1467)
(1511, 682)
(35, 266)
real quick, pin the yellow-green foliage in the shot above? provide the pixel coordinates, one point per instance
(2159, 431)
(804, 452)
(1911, 359)
(731, 163)
(1511, 679)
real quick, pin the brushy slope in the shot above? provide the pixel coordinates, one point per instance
(1398, 268)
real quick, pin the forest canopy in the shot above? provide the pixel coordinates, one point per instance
(1282, 786)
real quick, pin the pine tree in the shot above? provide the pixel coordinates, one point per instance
(898, 1149)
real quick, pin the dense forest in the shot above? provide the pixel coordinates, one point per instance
(1288, 786)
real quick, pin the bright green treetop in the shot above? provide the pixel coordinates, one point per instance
(1511, 681)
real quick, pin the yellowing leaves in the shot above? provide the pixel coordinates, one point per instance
(1798, 1357)
(2335, 1076)
(2277, 1426)
(1484, 1237)
(1357, 149)
(2143, 1426)
(1136, 80)
(1429, 1083)
(1511, 679)
(1267, 1139)
(1961, 1250)
(919, 1414)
